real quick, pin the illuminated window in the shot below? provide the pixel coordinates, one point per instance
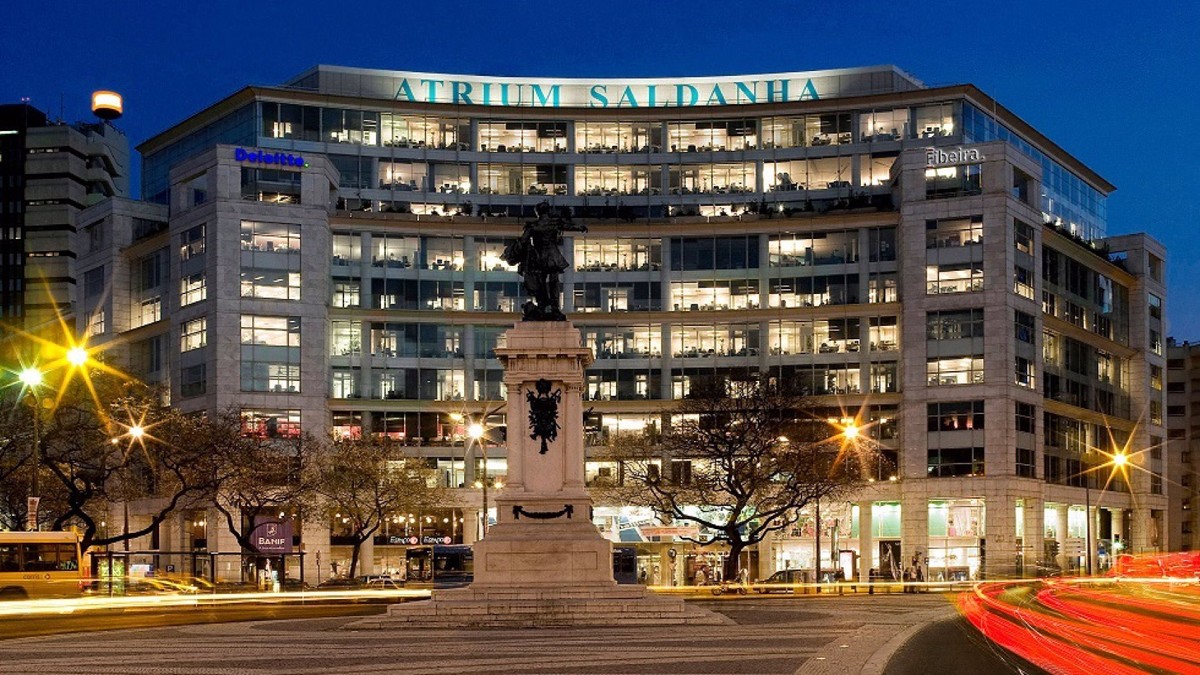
(193, 334)
(192, 289)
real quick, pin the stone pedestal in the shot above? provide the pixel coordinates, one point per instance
(544, 562)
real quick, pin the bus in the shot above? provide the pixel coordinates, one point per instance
(442, 565)
(454, 565)
(40, 565)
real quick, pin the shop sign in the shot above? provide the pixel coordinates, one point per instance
(272, 536)
(273, 158)
(940, 157)
(669, 533)
(605, 94)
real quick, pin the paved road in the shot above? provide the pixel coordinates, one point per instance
(810, 635)
(954, 646)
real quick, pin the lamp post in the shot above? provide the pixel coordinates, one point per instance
(476, 432)
(31, 379)
(1118, 460)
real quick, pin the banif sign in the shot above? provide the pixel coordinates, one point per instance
(272, 536)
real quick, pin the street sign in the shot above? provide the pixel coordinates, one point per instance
(31, 519)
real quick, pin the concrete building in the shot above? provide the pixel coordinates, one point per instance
(920, 259)
(49, 172)
(1183, 444)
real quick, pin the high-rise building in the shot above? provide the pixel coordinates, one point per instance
(49, 171)
(1183, 445)
(918, 258)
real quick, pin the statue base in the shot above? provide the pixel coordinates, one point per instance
(544, 563)
(494, 606)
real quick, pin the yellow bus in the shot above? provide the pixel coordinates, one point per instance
(40, 565)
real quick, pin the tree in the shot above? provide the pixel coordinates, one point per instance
(754, 454)
(77, 440)
(258, 475)
(363, 481)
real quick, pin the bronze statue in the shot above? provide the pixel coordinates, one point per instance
(540, 262)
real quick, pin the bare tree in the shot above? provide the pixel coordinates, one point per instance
(752, 453)
(362, 482)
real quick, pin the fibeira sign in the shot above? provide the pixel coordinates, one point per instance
(605, 94)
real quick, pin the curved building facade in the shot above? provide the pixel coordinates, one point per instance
(918, 258)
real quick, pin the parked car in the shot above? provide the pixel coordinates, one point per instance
(340, 584)
(780, 582)
(293, 585)
(384, 584)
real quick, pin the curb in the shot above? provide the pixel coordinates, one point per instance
(878, 661)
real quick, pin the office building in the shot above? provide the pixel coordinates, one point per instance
(1183, 444)
(49, 171)
(918, 258)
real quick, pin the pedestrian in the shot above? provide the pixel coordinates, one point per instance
(700, 578)
(642, 577)
(907, 579)
(743, 576)
(871, 575)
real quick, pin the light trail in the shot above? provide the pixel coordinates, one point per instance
(1114, 624)
(98, 603)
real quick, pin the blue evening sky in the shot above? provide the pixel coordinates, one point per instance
(1114, 83)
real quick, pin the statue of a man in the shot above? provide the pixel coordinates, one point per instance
(540, 262)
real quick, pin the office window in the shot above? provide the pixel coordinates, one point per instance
(270, 237)
(1023, 281)
(96, 323)
(1023, 325)
(953, 232)
(953, 181)
(344, 383)
(93, 283)
(955, 462)
(271, 423)
(954, 278)
(1023, 237)
(345, 338)
(193, 381)
(954, 324)
(951, 371)
(270, 284)
(150, 271)
(1026, 418)
(193, 334)
(346, 292)
(884, 334)
(192, 289)
(1026, 463)
(270, 353)
(1155, 306)
(192, 242)
(1024, 373)
(954, 416)
(1156, 342)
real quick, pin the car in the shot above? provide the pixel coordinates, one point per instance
(780, 582)
(340, 584)
(293, 585)
(384, 584)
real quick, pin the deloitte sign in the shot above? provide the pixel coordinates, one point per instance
(260, 157)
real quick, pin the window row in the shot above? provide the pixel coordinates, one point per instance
(409, 130)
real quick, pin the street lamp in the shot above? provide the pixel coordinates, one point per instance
(1118, 460)
(31, 378)
(476, 432)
